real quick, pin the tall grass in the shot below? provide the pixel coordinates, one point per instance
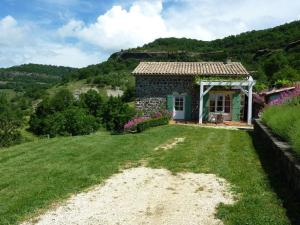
(284, 121)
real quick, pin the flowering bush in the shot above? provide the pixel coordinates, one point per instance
(131, 126)
(286, 97)
(162, 113)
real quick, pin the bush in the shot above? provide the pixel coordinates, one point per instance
(78, 122)
(53, 125)
(129, 95)
(116, 113)
(62, 100)
(63, 115)
(152, 123)
(131, 125)
(284, 121)
(286, 74)
(11, 120)
(9, 130)
(92, 101)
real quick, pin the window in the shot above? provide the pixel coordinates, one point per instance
(179, 103)
(219, 103)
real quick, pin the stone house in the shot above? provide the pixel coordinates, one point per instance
(199, 91)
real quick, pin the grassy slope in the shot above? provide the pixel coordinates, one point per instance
(284, 121)
(74, 86)
(9, 92)
(34, 175)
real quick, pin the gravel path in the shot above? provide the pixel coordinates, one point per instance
(143, 195)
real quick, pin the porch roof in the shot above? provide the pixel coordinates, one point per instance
(231, 69)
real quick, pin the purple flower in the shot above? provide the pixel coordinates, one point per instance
(286, 97)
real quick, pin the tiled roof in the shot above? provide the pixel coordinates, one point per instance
(191, 68)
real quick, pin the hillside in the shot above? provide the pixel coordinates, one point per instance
(31, 78)
(58, 71)
(271, 54)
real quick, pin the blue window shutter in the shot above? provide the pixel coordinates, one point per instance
(188, 108)
(170, 103)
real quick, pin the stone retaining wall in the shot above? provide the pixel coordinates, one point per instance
(282, 153)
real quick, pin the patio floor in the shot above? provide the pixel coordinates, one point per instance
(224, 125)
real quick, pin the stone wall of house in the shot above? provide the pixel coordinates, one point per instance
(161, 86)
(152, 91)
(150, 105)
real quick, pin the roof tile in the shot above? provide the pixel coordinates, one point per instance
(191, 68)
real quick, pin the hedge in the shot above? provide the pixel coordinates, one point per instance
(152, 123)
(284, 121)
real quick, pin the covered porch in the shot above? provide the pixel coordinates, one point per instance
(215, 105)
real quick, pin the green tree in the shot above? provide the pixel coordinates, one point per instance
(62, 100)
(274, 64)
(287, 73)
(10, 122)
(116, 114)
(79, 122)
(129, 94)
(93, 102)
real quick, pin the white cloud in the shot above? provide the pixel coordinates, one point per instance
(140, 22)
(10, 32)
(22, 44)
(146, 20)
(119, 28)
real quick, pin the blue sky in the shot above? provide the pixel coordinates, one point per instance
(78, 33)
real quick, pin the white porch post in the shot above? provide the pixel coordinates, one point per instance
(249, 120)
(201, 103)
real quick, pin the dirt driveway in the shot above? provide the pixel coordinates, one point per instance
(143, 195)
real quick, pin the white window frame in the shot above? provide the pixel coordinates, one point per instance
(182, 112)
(183, 102)
(216, 95)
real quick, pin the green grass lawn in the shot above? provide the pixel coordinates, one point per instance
(35, 175)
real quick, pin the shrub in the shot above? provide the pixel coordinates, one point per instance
(162, 113)
(286, 75)
(284, 121)
(116, 113)
(131, 125)
(152, 123)
(54, 124)
(92, 101)
(79, 122)
(290, 97)
(63, 115)
(9, 129)
(283, 83)
(295, 136)
(129, 95)
(11, 119)
(62, 100)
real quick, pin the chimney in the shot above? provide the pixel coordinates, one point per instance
(228, 61)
